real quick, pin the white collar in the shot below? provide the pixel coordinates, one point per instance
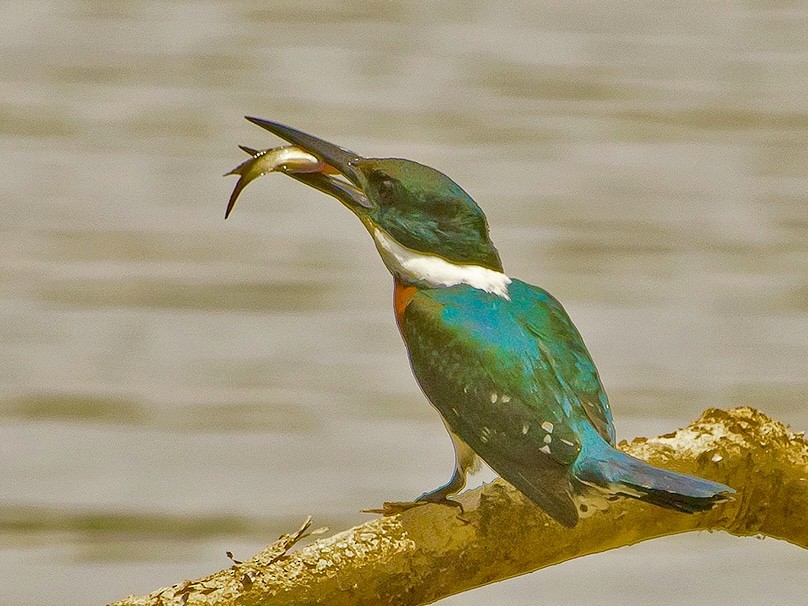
(435, 271)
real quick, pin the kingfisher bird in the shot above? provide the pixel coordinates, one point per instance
(498, 358)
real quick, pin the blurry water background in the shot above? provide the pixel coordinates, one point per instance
(173, 386)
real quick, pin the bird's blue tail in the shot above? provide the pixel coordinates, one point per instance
(618, 473)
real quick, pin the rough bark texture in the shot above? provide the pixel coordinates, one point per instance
(430, 552)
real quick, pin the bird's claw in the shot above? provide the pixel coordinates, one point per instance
(391, 508)
(439, 499)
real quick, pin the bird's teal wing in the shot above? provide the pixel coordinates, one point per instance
(543, 316)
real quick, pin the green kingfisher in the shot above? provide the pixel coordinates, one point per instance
(498, 358)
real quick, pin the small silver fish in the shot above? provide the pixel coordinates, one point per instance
(288, 159)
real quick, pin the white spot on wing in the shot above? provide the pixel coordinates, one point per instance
(505, 399)
(494, 397)
(567, 442)
(435, 271)
(548, 438)
(545, 449)
(525, 428)
(547, 426)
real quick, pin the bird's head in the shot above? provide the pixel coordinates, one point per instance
(413, 212)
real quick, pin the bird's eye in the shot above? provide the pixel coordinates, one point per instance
(387, 186)
(386, 190)
(443, 208)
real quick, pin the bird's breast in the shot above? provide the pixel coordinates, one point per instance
(402, 295)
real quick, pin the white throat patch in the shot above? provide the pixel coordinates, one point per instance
(434, 271)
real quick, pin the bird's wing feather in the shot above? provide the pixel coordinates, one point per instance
(542, 315)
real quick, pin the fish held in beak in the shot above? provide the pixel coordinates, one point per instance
(288, 159)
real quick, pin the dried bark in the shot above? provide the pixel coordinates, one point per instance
(430, 552)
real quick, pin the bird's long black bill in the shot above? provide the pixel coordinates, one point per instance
(341, 159)
(343, 191)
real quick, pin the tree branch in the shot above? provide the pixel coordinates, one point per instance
(430, 552)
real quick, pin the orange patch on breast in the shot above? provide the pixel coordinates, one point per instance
(402, 295)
